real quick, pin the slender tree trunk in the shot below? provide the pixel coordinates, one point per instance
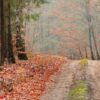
(2, 33)
(90, 43)
(96, 48)
(90, 29)
(80, 52)
(20, 43)
(86, 53)
(10, 53)
(92, 39)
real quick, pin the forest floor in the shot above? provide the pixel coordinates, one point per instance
(46, 77)
(27, 80)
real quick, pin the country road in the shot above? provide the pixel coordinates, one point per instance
(59, 90)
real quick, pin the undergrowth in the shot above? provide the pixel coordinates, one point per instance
(78, 92)
(83, 63)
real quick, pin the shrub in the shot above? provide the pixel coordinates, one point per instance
(84, 62)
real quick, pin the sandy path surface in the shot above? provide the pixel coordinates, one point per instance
(93, 78)
(60, 88)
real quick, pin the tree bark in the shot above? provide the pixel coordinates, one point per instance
(86, 53)
(80, 52)
(10, 54)
(90, 29)
(2, 33)
(92, 39)
(96, 48)
(20, 43)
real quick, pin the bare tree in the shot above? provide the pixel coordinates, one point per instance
(92, 39)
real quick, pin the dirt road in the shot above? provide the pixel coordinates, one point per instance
(59, 90)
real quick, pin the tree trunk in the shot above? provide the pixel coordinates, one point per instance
(2, 32)
(10, 54)
(96, 48)
(20, 43)
(90, 44)
(80, 52)
(86, 53)
(92, 39)
(90, 29)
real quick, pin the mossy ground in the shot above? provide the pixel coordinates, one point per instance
(79, 91)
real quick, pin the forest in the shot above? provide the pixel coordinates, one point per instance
(49, 45)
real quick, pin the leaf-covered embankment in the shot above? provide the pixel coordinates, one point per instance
(27, 80)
